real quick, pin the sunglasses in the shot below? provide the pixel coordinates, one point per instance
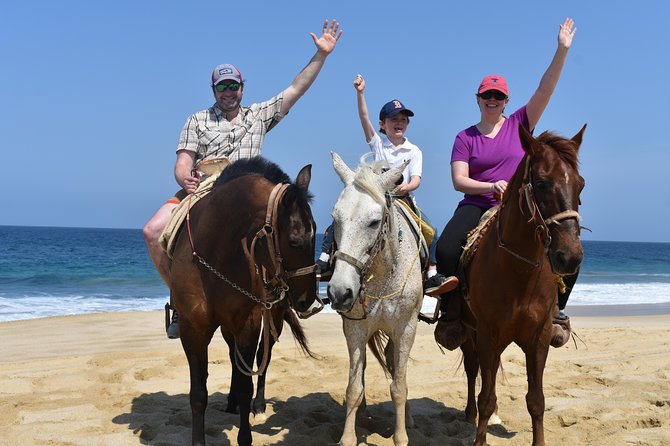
(233, 86)
(498, 95)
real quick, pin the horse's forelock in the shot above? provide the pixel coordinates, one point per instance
(366, 178)
(564, 147)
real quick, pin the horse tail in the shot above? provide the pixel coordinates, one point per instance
(298, 332)
(378, 343)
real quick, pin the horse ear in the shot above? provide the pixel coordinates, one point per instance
(391, 177)
(304, 177)
(527, 139)
(577, 139)
(344, 172)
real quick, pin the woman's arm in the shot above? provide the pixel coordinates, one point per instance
(538, 102)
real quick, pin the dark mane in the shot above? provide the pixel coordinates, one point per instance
(564, 147)
(266, 169)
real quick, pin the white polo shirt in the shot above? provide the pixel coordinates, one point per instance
(384, 149)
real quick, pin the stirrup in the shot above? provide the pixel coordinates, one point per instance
(172, 327)
(313, 309)
(436, 313)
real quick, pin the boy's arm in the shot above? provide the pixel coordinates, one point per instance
(368, 129)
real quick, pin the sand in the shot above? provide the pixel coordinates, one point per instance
(114, 379)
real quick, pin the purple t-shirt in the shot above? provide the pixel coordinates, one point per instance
(490, 159)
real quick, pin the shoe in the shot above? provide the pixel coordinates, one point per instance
(438, 284)
(450, 334)
(173, 328)
(560, 331)
(323, 271)
(321, 266)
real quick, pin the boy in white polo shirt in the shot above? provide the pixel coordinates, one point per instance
(393, 147)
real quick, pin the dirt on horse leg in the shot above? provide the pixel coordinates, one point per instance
(399, 397)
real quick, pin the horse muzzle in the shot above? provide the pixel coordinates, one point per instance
(342, 298)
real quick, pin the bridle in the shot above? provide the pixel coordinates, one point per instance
(276, 284)
(363, 268)
(527, 195)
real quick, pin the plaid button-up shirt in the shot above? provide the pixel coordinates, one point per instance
(209, 135)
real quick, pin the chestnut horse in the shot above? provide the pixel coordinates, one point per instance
(511, 282)
(243, 259)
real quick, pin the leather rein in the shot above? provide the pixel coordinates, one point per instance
(526, 194)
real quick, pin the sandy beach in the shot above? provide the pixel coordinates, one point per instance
(114, 379)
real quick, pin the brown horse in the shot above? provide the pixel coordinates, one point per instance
(511, 282)
(244, 257)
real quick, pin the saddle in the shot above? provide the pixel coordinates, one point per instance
(209, 172)
(422, 232)
(473, 239)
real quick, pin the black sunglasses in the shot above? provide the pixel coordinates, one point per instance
(498, 95)
(233, 86)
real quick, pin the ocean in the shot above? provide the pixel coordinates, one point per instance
(47, 271)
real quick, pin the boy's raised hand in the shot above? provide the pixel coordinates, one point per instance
(359, 83)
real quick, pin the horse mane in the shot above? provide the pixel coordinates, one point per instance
(367, 178)
(258, 165)
(564, 147)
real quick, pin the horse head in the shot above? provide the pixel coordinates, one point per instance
(361, 216)
(553, 182)
(297, 232)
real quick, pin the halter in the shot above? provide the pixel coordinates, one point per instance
(526, 194)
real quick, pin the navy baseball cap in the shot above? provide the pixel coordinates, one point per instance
(392, 108)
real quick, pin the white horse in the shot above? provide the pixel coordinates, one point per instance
(376, 286)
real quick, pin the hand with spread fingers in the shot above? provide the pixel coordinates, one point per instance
(329, 37)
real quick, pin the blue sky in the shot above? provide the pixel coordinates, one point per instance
(94, 96)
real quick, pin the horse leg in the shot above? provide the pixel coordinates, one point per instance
(536, 358)
(403, 345)
(232, 406)
(355, 390)
(195, 347)
(259, 405)
(487, 400)
(471, 364)
(393, 363)
(244, 389)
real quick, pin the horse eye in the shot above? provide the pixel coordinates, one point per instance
(374, 224)
(542, 186)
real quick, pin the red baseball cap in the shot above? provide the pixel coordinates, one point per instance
(493, 82)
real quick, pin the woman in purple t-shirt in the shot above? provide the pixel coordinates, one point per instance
(483, 159)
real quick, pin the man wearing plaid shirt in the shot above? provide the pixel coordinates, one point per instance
(231, 131)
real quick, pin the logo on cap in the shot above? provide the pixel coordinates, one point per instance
(226, 70)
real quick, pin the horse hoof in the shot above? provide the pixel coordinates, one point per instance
(450, 334)
(560, 332)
